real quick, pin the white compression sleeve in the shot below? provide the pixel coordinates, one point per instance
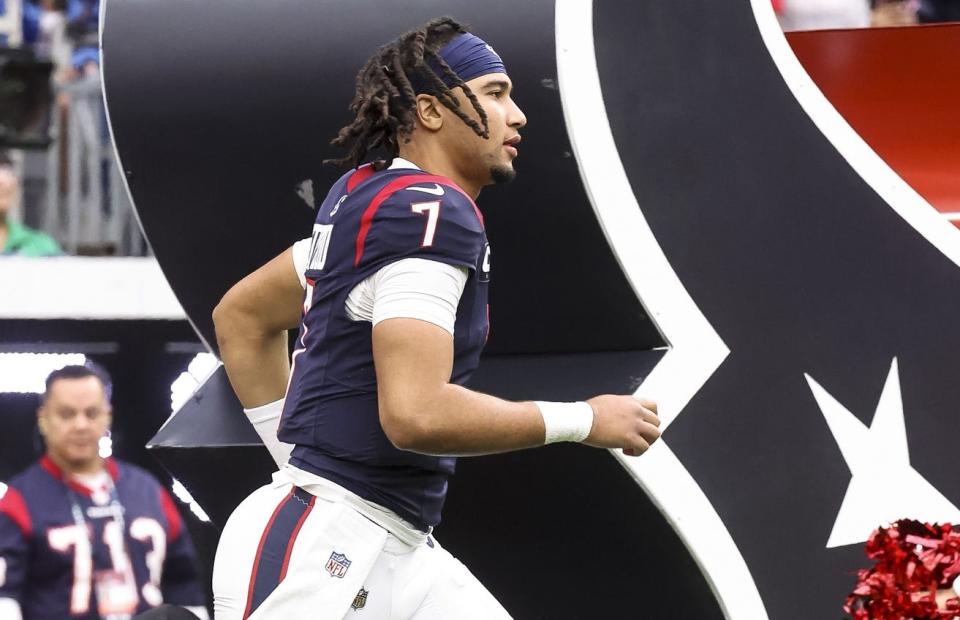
(266, 421)
(301, 255)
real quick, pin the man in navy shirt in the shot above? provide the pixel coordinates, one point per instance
(392, 290)
(86, 537)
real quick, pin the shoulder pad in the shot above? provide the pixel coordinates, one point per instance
(420, 215)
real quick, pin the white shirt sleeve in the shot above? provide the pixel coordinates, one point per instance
(301, 254)
(411, 288)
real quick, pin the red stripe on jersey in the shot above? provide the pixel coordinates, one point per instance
(113, 469)
(51, 468)
(12, 505)
(256, 559)
(54, 470)
(174, 522)
(293, 538)
(366, 221)
(361, 174)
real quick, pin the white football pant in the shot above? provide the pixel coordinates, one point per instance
(287, 554)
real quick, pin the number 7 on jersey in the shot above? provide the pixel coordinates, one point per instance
(432, 209)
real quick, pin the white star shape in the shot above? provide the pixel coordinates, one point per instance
(883, 487)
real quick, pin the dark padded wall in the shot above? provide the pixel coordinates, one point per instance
(220, 109)
(800, 267)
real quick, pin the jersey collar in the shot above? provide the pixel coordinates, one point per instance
(51, 468)
(399, 162)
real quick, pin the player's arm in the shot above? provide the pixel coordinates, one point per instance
(413, 348)
(251, 322)
(420, 410)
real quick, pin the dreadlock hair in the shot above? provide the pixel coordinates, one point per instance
(385, 97)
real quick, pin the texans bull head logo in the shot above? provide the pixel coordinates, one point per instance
(805, 290)
(808, 296)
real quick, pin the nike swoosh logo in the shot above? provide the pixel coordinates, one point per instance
(436, 190)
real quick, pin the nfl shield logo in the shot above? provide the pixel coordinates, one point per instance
(360, 600)
(338, 564)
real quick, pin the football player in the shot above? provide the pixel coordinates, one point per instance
(85, 537)
(392, 289)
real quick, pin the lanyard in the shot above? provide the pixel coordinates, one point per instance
(111, 576)
(114, 506)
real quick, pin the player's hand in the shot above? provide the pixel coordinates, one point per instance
(625, 422)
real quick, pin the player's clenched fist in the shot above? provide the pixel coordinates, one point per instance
(625, 422)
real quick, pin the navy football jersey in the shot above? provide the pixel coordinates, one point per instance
(57, 567)
(368, 220)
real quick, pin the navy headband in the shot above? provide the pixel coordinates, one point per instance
(470, 57)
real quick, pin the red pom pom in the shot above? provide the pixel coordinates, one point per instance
(913, 561)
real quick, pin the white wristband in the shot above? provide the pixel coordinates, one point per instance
(266, 421)
(566, 421)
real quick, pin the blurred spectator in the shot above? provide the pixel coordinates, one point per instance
(86, 62)
(78, 507)
(83, 22)
(15, 238)
(822, 14)
(31, 22)
(45, 32)
(92, 201)
(52, 40)
(74, 191)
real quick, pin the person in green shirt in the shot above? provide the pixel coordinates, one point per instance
(15, 238)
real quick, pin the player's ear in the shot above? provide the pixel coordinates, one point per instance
(428, 112)
(41, 420)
